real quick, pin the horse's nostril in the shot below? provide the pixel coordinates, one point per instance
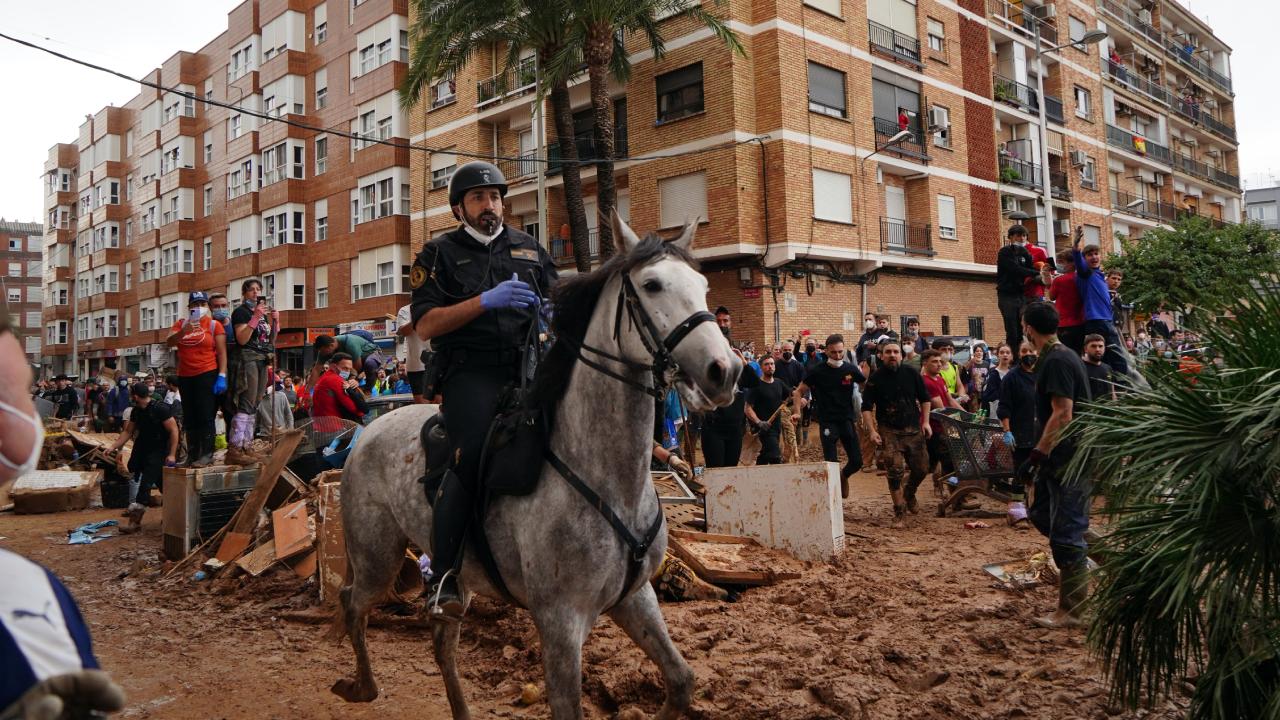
(716, 372)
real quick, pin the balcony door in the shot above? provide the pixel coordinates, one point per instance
(895, 204)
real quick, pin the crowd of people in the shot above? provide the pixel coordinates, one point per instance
(226, 368)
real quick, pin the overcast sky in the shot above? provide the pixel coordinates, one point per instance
(47, 98)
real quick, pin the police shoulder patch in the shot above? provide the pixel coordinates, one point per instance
(417, 276)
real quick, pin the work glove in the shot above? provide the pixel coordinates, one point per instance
(1027, 470)
(681, 468)
(763, 426)
(513, 294)
(73, 695)
(220, 385)
(1008, 438)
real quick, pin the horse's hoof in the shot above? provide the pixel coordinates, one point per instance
(352, 691)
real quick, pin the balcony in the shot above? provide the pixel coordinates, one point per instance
(1126, 140)
(586, 145)
(1022, 20)
(1200, 170)
(911, 147)
(1135, 24)
(898, 236)
(1199, 67)
(1218, 127)
(1053, 109)
(1058, 185)
(1150, 209)
(893, 44)
(562, 248)
(513, 82)
(525, 167)
(1138, 84)
(1022, 173)
(1192, 112)
(1017, 94)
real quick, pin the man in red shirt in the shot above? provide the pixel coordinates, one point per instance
(1065, 295)
(1034, 289)
(939, 398)
(331, 399)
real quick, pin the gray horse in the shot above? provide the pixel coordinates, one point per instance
(557, 554)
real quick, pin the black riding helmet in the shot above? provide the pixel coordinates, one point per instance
(473, 175)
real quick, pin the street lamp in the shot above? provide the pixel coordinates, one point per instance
(1046, 221)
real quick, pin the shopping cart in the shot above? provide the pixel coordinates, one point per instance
(983, 463)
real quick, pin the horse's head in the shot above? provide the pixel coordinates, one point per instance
(670, 292)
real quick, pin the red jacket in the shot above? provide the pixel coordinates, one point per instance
(331, 399)
(1038, 257)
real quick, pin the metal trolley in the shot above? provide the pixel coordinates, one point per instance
(983, 463)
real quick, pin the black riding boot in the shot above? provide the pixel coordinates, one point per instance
(452, 512)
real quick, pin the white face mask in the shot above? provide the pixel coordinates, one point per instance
(199, 312)
(870, 324)
(36, 446)
(835, 362)
(481, 237)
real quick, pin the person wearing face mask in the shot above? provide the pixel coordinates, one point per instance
(477, 295)
(788, 368)
(201, 341)
(1016, 410)
(333, 397)
(832, 386)
(154, 433)
(117, 400)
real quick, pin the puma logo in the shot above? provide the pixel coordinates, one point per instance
(19, 613)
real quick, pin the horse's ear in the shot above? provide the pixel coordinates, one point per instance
(624, 238)
(685, 240)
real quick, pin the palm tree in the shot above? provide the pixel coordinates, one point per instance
(1190, 579)
(446, 34)
(599, 27)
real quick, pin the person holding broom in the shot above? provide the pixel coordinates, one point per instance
(764, 410)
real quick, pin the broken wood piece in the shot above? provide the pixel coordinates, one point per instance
(262, 557)
(306, 567)
(291, 529)
(232, 547)
(911, 550)
(246, 518)
(727, 559)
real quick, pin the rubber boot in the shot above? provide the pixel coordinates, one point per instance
(1073, 589)
(134, 514)
(450, 516)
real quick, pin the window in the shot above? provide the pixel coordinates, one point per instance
(830, 7)
(443, 91)
(937, 36)
(282, 162)
(442, 166)
(322, 88)
(975, 327)
(1076, 30)
(321, 20)
(404, 46)
(940, 119)
(172, 209)
(15, 269)
(15, 244)
(321, 213)
(233, 127)
(149, 269)
(832, 196)
(322, 30)
(207, 263)
(826, 90)
(322, 286)
(282, 226)
(946, 324)
(1084, 103)
(241, 180)
(322, 154)
(680, 93)
(15, 295)
(682, 198)
(168, 313)
(299, 297)
(147, 318)
(208, 200)
(1089, 174)
(386, 278)
(379, 272)
(947, 217)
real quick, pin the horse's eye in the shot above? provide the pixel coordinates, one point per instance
(652, 286)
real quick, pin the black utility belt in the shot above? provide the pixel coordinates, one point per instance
(472, 357)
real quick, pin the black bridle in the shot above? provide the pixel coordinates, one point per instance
(662, 366)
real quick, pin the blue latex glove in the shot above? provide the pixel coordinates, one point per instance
(220, 385)
(513, 294)
(1008, 438)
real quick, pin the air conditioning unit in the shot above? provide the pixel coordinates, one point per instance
(1078, 158)
(1145, 16)
(1061, 227)
(1009, 203)
(938, 119)
(1158, 180)
(1209, 103)
(1048, 11)
(1122, 109)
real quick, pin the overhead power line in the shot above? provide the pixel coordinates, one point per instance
(368, 140)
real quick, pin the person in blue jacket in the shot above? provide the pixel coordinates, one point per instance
(1097, 300)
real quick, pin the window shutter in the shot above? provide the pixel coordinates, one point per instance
(831, 7)
(832, 196)
(946, 211)
(322, 277)
(321, 14)
(826, 86)
(442, 160)
(683, 198)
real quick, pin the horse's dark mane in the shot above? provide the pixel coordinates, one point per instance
(575, 299)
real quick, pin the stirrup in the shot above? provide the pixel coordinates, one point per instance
(446, 613)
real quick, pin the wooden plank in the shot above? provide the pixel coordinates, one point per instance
(247, 516)
(685, 545)
(232, 547)
(292, 478)
(262, 557)
(306, 567)
(331, 544)
(291, 530)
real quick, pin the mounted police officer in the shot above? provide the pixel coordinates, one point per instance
(476, 290)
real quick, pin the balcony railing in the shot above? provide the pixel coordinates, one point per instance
(1016, 93)
(515, 169)
(1134, 143)
(514, 81)
(894, 44)
(562, 248)
(1058, 185)
(1018, 17)
(1176, 51)
(1142, 207)
(1023, 173)
(1218, 127)
(1195, 168)
(1193, 112)
(586, 145)
(912, 146)
(1138, 84)
(1053, 109)
(1134, 23)
(901, 237)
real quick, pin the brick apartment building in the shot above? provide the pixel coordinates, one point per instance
(824, 218)
(22, 282)
(164, 194)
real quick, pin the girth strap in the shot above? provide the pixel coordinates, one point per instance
(639, 548)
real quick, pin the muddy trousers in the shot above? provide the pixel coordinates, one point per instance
(147, 467)
(1060, 511)
(842, 432)
(904, 450)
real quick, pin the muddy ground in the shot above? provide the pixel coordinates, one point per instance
(904, 625)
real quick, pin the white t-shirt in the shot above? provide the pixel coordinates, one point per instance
(412, 343)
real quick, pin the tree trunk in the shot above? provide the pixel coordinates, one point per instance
(598, 54)
(579, 235)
